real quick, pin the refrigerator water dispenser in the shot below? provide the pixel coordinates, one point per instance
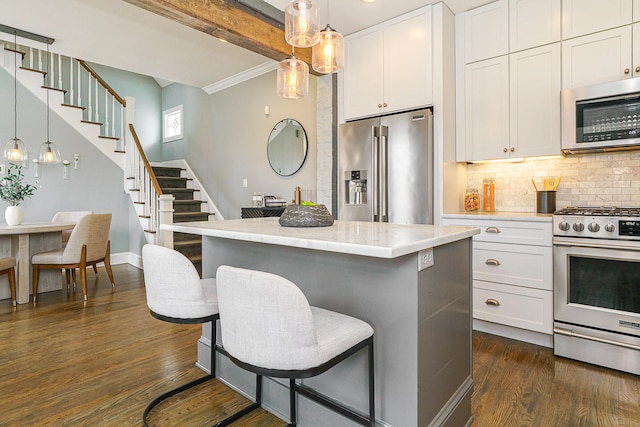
(356, 187)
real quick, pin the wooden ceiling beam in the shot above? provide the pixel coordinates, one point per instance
(225, 21)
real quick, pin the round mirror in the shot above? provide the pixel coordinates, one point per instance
(287, 147)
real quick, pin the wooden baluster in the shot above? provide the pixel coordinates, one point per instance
(97, 113)
(123, 145)
(79, 85)
(113, 116)
(31, 57)
(71, 81)
(59, 71)
(89, 104)
(40, 60)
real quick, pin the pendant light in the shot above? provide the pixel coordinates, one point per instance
(14, 149)
(48, 151)
(301, 23)
(328, 53)
(292, 78)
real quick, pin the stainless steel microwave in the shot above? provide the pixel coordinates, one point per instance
(602, 117)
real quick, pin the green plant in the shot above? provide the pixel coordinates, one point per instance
(12, 188)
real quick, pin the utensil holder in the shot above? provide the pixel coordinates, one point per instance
(545, 201)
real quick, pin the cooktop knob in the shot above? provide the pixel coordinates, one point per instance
(564, 226)
(594, 227)
(610, 228)
(578, 226)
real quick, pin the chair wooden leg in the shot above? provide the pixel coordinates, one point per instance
(12, 285)
(107, 264)
(95, 268)
(36, 278)
(73, 277)
(83, 271)
(67, 274)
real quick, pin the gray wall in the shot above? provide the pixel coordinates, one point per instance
(226, 136)
(98, 183)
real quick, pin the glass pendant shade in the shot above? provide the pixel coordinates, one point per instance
(15, 150)
(293, 78)
(328, 53)
(301, 23)
(49, 153)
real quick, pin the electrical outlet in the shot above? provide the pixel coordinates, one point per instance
(425, 259)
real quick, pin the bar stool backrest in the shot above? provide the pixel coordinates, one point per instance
(172, 283)
(265, 319)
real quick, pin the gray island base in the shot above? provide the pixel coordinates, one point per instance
(422, 319)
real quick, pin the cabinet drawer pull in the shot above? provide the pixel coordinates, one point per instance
(492, 261)
(491, 301)
(626, 71)
(379, 105)
(492, 230)
(637, 69)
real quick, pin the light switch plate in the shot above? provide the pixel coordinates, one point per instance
(425, 259)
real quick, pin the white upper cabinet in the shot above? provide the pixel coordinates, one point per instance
(580, 17)
(388, 67)
(597, 58)
(534, 23)
(636, 10)
(535, 81)
(363, 72)
(486, 31)
(487, 109)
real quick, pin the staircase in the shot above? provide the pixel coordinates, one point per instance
(186, 209)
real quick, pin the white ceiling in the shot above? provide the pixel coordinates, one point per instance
(120, 35)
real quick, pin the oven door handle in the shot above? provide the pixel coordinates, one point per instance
(569, 333)
(594, 244)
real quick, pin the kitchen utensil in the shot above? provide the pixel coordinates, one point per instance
(547, 184)
(534, 184)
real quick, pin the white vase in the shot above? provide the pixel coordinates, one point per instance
(13, 215)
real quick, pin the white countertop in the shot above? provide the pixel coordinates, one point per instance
(381, 240)
(503, 215)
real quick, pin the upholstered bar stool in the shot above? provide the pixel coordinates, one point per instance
(176, 294)
(269, 328)
(7, 266)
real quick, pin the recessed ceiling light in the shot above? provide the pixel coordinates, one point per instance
(368, 1)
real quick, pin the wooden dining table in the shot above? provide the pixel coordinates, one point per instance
(24, 240)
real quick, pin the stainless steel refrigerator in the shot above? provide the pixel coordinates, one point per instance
(385, 169)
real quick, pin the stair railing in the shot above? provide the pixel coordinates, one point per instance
(83, 88)
(158, 207)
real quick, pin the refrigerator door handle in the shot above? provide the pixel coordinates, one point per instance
(375, 163)
(383, 176)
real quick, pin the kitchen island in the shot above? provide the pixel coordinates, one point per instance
(382, 274)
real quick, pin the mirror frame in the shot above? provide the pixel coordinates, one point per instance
(305, 145)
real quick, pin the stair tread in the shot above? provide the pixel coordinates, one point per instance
(119, 151)
(74, 106)
(181, 243)
(115, 138)
(190, 214)
(16, 51)
(186, 190)
(34, 70)
(54, 88)
(92, 123)
(188, 202)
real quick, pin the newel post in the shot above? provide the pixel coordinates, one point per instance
(165, 214)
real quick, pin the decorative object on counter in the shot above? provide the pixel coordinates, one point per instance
(14, 191)
(306, 216)
(296, 196)
(488, 195)
(257, 200)
(545, 201)
(471, 199)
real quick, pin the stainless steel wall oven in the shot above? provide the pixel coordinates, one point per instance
(597, 286)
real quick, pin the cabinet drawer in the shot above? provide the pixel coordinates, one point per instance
(513, 306)
(530, 266)
(506, 231)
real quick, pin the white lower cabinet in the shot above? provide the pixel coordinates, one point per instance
(512, 275)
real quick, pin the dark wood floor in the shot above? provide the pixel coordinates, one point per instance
(67, 362)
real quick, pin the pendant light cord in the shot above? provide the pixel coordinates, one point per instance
(15, 87)
(48, 85)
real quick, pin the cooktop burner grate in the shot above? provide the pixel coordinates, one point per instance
(599, 211)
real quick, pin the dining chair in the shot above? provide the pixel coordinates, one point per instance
(70, 217)
(88, 244)
(7, 266)
(269, 328)
(176, 294)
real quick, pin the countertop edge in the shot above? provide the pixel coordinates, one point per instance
(504, 216)
(444, 235)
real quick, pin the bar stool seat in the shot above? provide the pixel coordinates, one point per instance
(269, 328)
(176, 294)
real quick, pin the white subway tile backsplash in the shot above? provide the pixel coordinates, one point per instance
(587, 179)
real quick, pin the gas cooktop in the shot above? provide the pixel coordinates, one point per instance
(603, 222)
(599, 211)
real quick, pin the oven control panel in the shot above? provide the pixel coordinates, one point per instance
(596, 227)
(629, 228)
